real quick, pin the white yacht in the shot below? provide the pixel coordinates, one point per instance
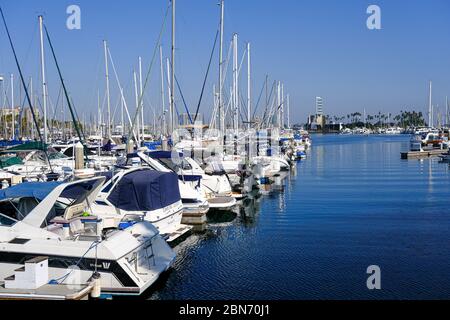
(215, 184)
(54, 220)
(144, 192)
(191, 195)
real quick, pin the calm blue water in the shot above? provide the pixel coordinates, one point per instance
(351, 204)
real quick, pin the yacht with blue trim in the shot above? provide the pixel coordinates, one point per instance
(192, 198)
(150, 194)
(54, 220)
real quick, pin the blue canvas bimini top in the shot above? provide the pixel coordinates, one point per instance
(38, 190)
(145, 190)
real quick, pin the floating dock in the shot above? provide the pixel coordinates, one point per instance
(423, 154)
(48, 292)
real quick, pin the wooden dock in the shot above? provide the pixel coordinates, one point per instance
(48, 292)
(423, 154)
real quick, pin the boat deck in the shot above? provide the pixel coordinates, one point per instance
(47, 292)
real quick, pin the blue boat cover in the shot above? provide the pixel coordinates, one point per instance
(38, 190)
(162, 154)
(152, 145)
(145, 190)
(9, 143)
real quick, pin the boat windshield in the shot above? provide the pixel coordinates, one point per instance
(184, 165)
(6, 221)
(18, 208)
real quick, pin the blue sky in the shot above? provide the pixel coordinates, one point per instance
(315, 47)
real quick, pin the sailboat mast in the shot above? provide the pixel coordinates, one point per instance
(137, 102)
(279, 103)
(163, 113)
(235, 84)
(12, 107)
(282, 106)
(108, 130)
(44, 83)
(172, 91)
(142, 98)
(31, 98)
(221, 111)
(288, 111)
(122, 122)
(446, 110)
(430, 108)
(248, 88)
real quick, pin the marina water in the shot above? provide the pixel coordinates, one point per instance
(351, 204)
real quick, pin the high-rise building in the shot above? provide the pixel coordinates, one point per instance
(319, 106)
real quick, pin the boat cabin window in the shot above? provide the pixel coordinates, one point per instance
(18, 208)
(171, 165)
(6, 221)
(109, 185)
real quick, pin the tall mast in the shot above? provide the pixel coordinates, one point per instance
(108, 130)
(12, 107)
(137, 101)
(235, 84)
(122, 122)
(2, 120)
(282, 106)
(169, 86)
(248, 88)
(221, 111)
(142, 97)
(99, 123)
(446, 110)
(172, 101)
(163, 114)
(31, 98)
(44, 83)
(288, 112)
(430, 108)
(279, 103)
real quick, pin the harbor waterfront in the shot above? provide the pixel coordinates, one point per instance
(224, 151)
(351, 204)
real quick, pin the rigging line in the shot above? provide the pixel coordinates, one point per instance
(243, 105)
(268, 99)
(225, 71)
(74, 117)
(79, 122)
(147, 78)
(116, 107)
(121, 94)
(26, 91)
(206, 76)
(20, 70)
(182, 98)
(259, 98)
(57, 102)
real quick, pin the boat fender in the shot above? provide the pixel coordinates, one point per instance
(96, 288)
